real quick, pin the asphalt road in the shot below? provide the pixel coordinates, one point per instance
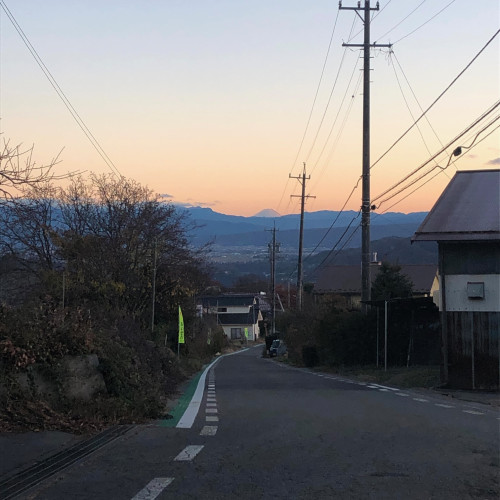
(265, 430)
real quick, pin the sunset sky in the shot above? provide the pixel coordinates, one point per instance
(207, 102)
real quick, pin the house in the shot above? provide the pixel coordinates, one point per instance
(238, 314)
(465, 223)
(342, 284)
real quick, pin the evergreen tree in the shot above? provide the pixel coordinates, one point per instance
(391, 283)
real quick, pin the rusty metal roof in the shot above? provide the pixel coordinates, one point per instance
(345, 280)
(467, 210)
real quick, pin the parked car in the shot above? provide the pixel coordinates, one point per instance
(278, 348)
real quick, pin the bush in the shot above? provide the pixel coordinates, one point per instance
(346, 338)
(309, 355)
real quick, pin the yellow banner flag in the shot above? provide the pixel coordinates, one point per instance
(246, 333)
(181, 327)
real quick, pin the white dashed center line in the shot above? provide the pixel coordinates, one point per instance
(473, 412)
(442, 405)
(208, 430)
(188, 453)
(153, 488)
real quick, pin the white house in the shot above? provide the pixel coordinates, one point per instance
(238, 314)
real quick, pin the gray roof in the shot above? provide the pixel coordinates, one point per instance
(467, 210)
(224, 300)
(237, 319)
(347, 279)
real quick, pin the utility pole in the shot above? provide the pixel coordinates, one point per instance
(302, 179)
(153, 298)
(273, 248)
(365, 198)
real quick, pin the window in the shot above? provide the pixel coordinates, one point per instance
(475, 290)
(235, 333)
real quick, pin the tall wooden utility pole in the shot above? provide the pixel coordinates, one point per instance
(273, 249)
(365, 197)
(302, 179)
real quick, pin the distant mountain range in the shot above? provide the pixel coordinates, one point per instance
(323, 228)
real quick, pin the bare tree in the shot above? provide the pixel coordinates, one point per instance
(18, 170)
(26, 227)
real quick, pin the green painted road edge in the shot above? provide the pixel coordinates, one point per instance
(183, 402)
(185, 399)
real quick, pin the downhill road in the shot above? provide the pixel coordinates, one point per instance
(265, 430)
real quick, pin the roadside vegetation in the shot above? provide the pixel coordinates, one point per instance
(330, 337)
(97, 268)
(92, 277)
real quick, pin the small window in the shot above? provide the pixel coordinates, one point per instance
(235, 333)
(475, 290)
(222, 309)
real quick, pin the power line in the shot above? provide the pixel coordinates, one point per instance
(415, 97)
(428, 21)
(331, 226)
(78, 119)
(403, 20)
(339, 240)
(338, 113)
(344, 121)
(340, 132)
(312, 109)
(436, 174)
(329, 100)
(459, 136)
(456, 152)
(409, 110)
(317, 90)
(436, 100)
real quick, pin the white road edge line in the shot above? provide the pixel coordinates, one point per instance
(153, 488)
(188, 453)
(386, 387)
(187, 419)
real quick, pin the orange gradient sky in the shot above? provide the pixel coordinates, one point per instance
(207, 102)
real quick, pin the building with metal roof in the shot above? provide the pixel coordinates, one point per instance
(465, 223)
(468, 209)
(345, 281)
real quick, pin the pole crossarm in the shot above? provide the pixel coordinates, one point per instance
(372, 45)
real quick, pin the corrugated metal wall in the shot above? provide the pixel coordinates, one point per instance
(473, 349)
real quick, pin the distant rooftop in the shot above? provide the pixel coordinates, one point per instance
(467, 210)
(224, 300)
(347, 279)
